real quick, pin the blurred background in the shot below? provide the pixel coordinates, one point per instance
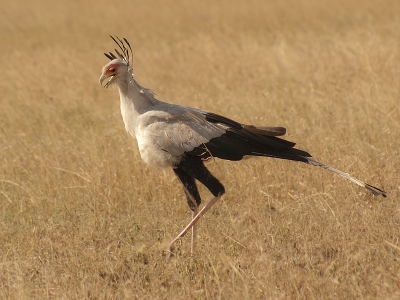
(83, 217)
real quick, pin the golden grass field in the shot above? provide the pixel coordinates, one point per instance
(82, 217)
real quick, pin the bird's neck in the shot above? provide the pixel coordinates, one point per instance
(135, 100)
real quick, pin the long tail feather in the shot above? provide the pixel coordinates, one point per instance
(372, 189)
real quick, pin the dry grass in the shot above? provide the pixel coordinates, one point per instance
(83, 217)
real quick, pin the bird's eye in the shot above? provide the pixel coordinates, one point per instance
(111, 69)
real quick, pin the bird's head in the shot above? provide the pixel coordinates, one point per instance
(118, 70)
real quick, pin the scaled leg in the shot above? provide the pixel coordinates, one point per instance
(190, 168)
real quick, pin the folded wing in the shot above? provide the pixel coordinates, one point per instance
(182, 130)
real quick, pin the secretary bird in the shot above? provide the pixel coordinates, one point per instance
(182, 138)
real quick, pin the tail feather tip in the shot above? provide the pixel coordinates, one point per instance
(376, 191)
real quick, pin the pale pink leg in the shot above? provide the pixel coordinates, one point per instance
(192, 224)
(194, 234)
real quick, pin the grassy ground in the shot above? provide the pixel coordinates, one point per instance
(82, 217)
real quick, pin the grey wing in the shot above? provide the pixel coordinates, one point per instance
(180, 130)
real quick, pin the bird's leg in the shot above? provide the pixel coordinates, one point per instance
(194, 221)
(194, 233)
(189, 169)
(193, 199)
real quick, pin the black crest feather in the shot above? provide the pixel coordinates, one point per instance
(126, 53)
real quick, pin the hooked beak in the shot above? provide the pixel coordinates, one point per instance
(104, 77)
